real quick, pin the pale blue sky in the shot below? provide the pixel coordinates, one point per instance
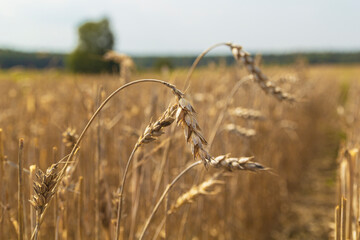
(184, 26)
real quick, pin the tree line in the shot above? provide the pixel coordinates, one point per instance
(95, 38)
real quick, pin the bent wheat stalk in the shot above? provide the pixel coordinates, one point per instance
(152, 131)
(197, 60)
(77, 144)
(168, 188)
(223, 161)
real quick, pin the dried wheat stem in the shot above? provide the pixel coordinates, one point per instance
(165, 156)
(197, 60)
(56, 209)
(172, 87)
(80, 205)
(343, 218)
(152, 131)
(168, 188)
(32, 170)
(222, 114)
(21, 191)
(119, 209)
(97, 169)
(77, 144)
(337, 223)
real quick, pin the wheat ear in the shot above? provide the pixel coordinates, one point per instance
(240, 131)
(245, 113)
(260, 78)
(195, 191)
(44, 189)
(77, 144)
(152, 131)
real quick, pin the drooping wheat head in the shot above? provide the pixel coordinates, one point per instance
(260, 78)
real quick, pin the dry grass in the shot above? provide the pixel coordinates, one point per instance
(41, 106)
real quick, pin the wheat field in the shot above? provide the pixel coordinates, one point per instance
(255, 162)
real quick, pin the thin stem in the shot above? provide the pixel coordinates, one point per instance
(172, 87)
(164, 195)
(97, 170)
(20, 191)
(122, 191)
(214, 133)
(37, 227)
(197, 60)
(223, 112)
(76, 146)
(80, 208)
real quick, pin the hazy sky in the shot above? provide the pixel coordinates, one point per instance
(184, 26)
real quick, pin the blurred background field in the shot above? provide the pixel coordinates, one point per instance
(298, 141)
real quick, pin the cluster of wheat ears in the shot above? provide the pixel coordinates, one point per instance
(49, 185)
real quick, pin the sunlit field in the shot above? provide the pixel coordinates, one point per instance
(272, 170)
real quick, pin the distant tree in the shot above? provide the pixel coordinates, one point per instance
(95, 39)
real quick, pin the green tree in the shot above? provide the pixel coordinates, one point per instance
(95, 38)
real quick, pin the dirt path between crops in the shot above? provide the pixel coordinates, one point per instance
(309, 214)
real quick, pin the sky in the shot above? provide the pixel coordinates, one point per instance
(145, 27)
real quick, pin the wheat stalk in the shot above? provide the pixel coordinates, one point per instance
(21, 191)
(76, 146)
(224, 162)
(197, 60)
(44, 189)
(164, 195)
(260, 78)
(80, 204)
(152, 131)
